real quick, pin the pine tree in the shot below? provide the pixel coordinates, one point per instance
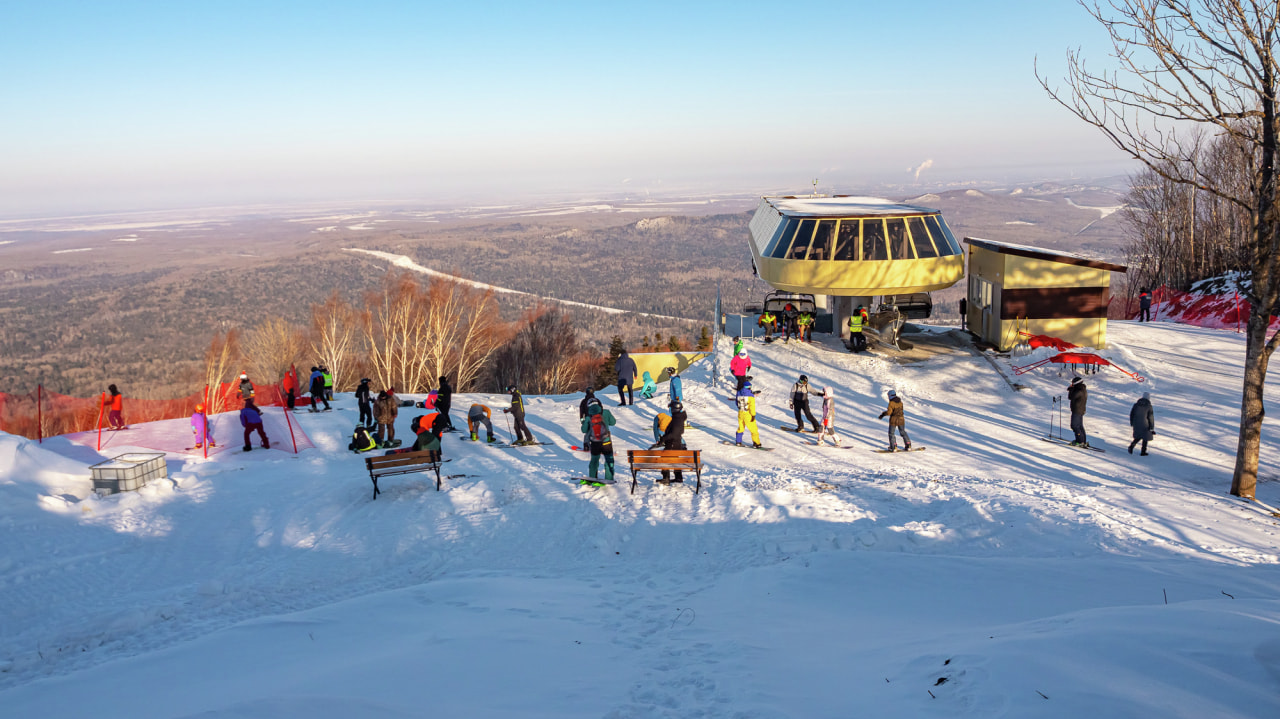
(657, 339)
(644, 342)
(608, 374)
(673, 344)
(704, 339)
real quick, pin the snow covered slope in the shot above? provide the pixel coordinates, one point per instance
(991, 575)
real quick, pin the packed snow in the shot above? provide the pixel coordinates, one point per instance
(78, 249)
(992, 574)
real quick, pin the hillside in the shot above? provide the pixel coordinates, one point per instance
(992, 574)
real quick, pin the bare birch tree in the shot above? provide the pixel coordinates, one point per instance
(335, 335)
(220, 365)
(1185, 67)
(271, 348)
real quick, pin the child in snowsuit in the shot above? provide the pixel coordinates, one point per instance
(516, 410)
(737, 345)
(364, 398)
(800, 403)
(1143, 420)
(660, 423)
(897, 420)
(476, 416)
(596, 426)
(201, 429)
(747, 414)
(116, 417)
(328, 382)
(385, 411)
(673, 437)
(739, 366)
(625, 368)
(829, 417)
(675, 386)
(251, 420)
(649, 388)
(246, 387)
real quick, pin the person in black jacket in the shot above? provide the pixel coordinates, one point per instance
(365, 399)
(317, 390)
(1078, 396)
(444, 400)
(516, 410)
(590, 396)
(1143, 420)
(800, 403)
(673, 437)
(1144, 305)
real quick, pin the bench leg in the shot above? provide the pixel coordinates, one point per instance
(437, 478)
(375, 487)
(698, 488)
(633, 481)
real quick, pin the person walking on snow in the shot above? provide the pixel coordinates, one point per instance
(516, 410)
(316, 385)
(800, 403)
(738, 367)
(625, 368)
(385, 411)
(246, 387)
(444, 402)
(476, 416)
(737, 345)
(675, 386)
(829, 417)
(857, 343)
(116, 416)
(251, 420)
(1143, 420)
(747, 414)
(201, 429)
(673, 437)
(898, 420)
(364, 398)
(1078, 396)
(1144, 305)
(596, 427)
(328, 382)
(648, 387)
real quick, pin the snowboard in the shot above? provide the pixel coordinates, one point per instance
(746, 446)
(789, 428)
(390, 445)
(532, 444)
(1067, 443)
(589, 482)
(897, 451)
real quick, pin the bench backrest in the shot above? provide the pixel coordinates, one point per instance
(663, 456)
(428, 456)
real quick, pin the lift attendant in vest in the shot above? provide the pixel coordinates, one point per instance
(596, 426)
(516, 410)
(857, 343)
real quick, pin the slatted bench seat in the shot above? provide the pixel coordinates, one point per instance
(660, 459)
(403, 463)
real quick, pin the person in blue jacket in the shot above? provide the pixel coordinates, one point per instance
(648, 387)
(675, 388)
(251, 420)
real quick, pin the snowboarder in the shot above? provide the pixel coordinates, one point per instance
(516, 410)
(800, 403)
(625, 368)
(829, 417)
(673, 437)
(857, 342)
(328, 382)
(1144, 305)
(444, 402)
(116, 416)
(251, 420)
(430, 401)
(747, 414)
(246, 387)
(1143, 420)
(675, 386)
(201, 428)
(316, 386)
(476, 416)
(1078, 396)
(361, 440)
(385, 411)
(738, 367)
(897, 419)
(364, 398)
(596, 426)
(648, 387)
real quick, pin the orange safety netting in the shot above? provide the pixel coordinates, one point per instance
(1077, 358)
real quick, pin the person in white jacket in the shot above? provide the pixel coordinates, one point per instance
(828, 417)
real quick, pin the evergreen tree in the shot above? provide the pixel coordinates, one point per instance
(704, 339)
(673, 344)
(644, 342)
(608, 375)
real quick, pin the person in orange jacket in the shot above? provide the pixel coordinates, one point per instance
(116, 417)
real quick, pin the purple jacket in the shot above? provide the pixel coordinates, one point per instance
(250, 415)
(199, 423)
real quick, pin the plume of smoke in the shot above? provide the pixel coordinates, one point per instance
(921, 168)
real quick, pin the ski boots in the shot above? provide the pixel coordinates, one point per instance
(475, 437)
(491, 439)
(756, 445)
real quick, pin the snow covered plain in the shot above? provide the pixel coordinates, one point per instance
(991, 575)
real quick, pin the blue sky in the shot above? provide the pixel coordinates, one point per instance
(137, 105)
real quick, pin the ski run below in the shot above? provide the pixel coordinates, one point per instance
(993, 575)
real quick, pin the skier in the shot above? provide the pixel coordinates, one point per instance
(596, 426)
(251, 420)
(625, 368)
(317, 390)
(857, 343)
(361, 440)
(1143, 420)
(770, 323)
(1144, 305)
(385, 411)
(476, 416)
(896, 419)
(1078, 395)
(675, 386)
(800, 403)
(364, 398)
(246, 387)
(201, 429)
(648, 387)
(829, 417)
(328, 382)
(747, 414)
(673, 437)
(739, 366)
(116, 416)
(444, 402)
(516, 410)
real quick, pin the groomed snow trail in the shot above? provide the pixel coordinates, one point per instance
(806, 581)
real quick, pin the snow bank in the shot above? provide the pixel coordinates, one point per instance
(29, 471)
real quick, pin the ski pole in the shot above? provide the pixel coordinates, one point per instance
(511, 437)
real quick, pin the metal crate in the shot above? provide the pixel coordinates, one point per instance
(128, 472)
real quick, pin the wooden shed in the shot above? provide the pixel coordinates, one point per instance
(1017, 288)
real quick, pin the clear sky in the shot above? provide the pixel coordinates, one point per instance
(122, 105)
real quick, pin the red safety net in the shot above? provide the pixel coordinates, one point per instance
(1077, 358)
(1227, 311)
(176, 435)
(1038, 341)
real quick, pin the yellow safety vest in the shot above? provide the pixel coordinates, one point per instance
(855, 324)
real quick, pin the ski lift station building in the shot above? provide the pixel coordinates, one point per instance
(845, 250)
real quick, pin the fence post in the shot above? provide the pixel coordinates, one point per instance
(290, 423)
(40, 413)
(102, 406)
(204, 441)
(1237, 311)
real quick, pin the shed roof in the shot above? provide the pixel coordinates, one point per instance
(1036, 253)
(843, 206)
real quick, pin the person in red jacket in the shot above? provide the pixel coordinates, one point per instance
(116, 417)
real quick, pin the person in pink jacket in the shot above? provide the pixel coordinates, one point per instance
(201, 429)
(739, 366)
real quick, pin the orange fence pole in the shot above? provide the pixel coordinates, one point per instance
(204, 441)
(1237, 312)
(102, 407)
(290, 423)
(40, 413)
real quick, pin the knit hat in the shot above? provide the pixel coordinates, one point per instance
(1076, 380)
(1146, 395)
(826, 392)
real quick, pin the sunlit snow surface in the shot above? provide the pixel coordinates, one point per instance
(991, 575)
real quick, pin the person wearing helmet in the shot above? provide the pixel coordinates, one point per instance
(516, 410)
(897, 420)
(828, 417)
(672, 436)
(800, 403)
(201, 429)
(364, 398)
(246, 387)
(596, 427)
(251, 420)
(857, 342)
(739, 366)
(769, 322)
(675, 386)
(316, 388)
(747, 414)
(361, 440)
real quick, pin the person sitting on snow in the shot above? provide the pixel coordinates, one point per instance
(361, 440)
(648, 388)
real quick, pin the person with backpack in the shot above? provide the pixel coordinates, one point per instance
(625, 368)
(385, 411)
(829, 417)
(1143, 420)
(316, 387)
(739, 366)
(516, 410)
(116, 415)
(648, 387)
(747, 414)
(201, 428)
(1078, 396)
(897, 420)
(361, 440)
(246, 387)
(444, 402)
(328, 382)
(596, 427)
(800, 403)
(476, 416)
(673, 437)
(364, 398)
(675, 386)
(251, 420)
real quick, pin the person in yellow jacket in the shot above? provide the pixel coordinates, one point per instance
(857, 342)
(747, 414)
(769, 322)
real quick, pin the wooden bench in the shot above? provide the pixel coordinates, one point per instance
(403, 463)
(660, 459)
